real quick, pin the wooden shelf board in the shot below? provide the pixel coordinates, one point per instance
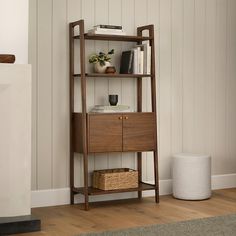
(95, 191)
(127, 38)
(114, 113)
(116, 75)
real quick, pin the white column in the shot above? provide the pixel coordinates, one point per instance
(15, 140)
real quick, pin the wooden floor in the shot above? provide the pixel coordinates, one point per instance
(71, 220)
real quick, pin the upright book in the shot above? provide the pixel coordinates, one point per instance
(144, 58)
(126, 64)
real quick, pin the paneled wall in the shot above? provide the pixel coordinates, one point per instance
(196, 57)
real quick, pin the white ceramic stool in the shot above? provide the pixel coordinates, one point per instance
(191, 176)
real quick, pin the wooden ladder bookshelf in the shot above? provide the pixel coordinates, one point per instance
(142, 124)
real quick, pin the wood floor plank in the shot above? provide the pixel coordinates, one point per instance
(73, 220)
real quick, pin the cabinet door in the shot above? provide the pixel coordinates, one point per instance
(139, 132)
(105, 133)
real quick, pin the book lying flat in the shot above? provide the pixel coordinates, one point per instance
(108, 26)
(110, 109)
(106, 32)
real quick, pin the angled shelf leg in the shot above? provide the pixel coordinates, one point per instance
(150, 29)
(84, 111)
(71, 42)
(156, 176)
(139, 154)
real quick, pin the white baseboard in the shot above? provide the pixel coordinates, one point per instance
(55, 197)
(223, 181)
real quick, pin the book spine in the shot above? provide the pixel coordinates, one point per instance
(141, 62)
(148, 59)
(135, 61)
(145, 58)
(130, 69)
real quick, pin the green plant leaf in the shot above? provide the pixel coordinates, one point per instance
(102, 63)
(101, 57)
(111, 52)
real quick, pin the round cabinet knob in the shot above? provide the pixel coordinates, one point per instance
(126, 117)
(120, 118)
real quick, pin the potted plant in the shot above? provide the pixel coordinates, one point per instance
(101, 61)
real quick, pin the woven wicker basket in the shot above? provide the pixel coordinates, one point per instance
(111, 179)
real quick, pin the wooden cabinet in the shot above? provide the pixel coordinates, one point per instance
(121, 132)
(111, 132)
(129, 132)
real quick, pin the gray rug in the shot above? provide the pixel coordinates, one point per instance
(213, 226)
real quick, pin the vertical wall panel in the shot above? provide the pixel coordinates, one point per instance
(44, 124)
(165, 86)
(73, 14)
(177, 76)
(140, 20)
(231, 72)
(33, 37)
(210, 76)
(89, 6)
(220, 163)
(188, 76)
(200, 78)
(60, 95)
(153, 17)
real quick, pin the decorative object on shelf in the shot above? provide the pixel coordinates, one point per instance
(113, 99)
(101, 61)
(107, 29)
(7, 58)
(110, 70)
(111, 109)
(111, 179)
(98, 68)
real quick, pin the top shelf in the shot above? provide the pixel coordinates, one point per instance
(127, 38)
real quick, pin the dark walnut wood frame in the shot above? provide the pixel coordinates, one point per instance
(116, 132)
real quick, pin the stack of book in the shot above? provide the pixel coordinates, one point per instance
(136, 60)
(107, 29)
(110, 109)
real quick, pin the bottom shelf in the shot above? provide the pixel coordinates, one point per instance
(95, 191)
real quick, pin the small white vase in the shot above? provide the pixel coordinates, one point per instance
(101, 69)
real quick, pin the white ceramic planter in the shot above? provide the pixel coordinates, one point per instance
(101, 69)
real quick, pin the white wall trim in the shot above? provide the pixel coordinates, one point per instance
(223, 181)
(55, 197)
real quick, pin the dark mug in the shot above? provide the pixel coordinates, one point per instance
(113, 99)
